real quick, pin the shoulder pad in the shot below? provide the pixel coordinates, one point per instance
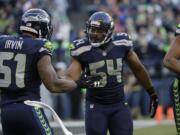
(80, 46)
(122, 39)
(122, 35)
(80, 42)
(4, 36)
(42, 39)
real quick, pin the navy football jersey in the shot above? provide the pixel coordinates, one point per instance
(106, 62)
(19, 78)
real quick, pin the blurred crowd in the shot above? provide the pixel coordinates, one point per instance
(151, 24)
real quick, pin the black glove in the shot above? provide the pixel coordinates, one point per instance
(153, 104)
(88, 81)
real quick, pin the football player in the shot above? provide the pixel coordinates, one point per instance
(25, 62)
(171, 61)
(103, 53)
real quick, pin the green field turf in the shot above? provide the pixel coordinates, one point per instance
(156, 130)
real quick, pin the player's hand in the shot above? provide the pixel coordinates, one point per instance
(153, 104)
(88, 81)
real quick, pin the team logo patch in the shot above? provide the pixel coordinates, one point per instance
(178, 26)
(71, 46)
(48, 45)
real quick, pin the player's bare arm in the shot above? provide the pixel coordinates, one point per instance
(144, 79)
(50, 79)
(74, 70)
(171, 59)
(138, 69)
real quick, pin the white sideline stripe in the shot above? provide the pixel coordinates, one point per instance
(69, 124)
(137, 124)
